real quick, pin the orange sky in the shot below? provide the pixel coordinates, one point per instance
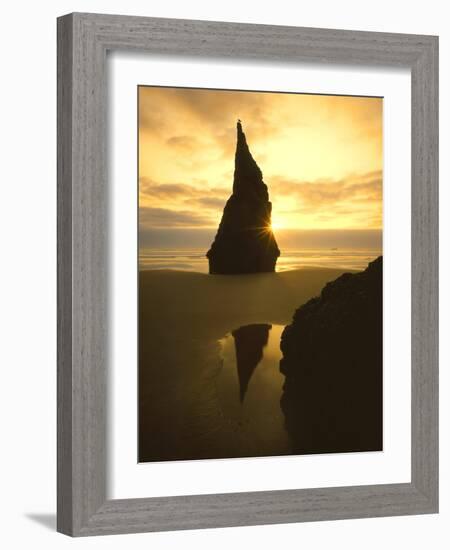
(321, 157)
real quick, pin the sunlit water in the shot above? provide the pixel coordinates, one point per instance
(195, 259)
(250, 384)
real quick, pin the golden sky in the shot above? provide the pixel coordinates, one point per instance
(321, 157)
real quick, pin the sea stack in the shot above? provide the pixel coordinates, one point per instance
(245, 242)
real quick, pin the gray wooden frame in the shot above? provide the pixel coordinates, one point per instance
(83, 40)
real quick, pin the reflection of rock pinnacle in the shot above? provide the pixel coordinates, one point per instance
(244, 242)
(249, 342)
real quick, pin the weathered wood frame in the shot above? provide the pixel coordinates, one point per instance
(83, 40)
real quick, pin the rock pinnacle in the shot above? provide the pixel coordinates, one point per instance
(244, 242)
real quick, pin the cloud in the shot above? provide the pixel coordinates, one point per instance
(365, 188)
(183, 143)
(213, 114)
(162, 217)
(150, 189)
(179, 205)
(211, 202)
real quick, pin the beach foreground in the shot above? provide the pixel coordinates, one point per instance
(185, 407)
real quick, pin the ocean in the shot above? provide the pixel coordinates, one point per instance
(194, 259)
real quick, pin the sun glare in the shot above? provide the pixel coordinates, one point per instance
(276, 225)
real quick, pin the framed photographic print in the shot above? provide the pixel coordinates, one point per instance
(247, 274)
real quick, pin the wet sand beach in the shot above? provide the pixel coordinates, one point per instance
(190, 381)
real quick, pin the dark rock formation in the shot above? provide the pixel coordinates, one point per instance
(244, 242)
(249, 342)
(332, 361)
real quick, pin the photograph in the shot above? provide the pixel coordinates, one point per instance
(260, 273)
(222, 313)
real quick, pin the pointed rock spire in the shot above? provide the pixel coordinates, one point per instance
(247, 175)
(244, 242)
